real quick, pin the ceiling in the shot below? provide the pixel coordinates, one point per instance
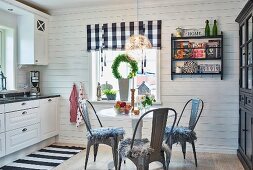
(47, 5)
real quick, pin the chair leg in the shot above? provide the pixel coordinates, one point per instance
(115, 153)
(183, 145)
(87, 154)
(168, 157)
(95, 146)
(163, 159)
(120, 161)
(194, 152)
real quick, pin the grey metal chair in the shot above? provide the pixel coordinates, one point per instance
(103, 135)
(142, 151)
(185, 134)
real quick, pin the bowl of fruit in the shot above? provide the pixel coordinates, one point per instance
(122, 107)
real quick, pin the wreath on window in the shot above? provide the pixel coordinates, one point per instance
(124, 58)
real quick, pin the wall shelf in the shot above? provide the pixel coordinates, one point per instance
(204, 53)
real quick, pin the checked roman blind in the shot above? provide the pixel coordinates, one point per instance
(114, 35)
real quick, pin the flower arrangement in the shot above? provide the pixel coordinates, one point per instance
(146, 100)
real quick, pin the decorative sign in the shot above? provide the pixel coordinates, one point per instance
(193, 32)
(209, 68)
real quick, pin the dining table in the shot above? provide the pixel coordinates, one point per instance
(113, 114)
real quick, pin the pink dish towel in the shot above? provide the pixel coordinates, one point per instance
(73, 98)
(82, 96)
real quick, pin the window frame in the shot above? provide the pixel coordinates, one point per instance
(93, 69)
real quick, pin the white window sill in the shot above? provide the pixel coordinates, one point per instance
(114, 101)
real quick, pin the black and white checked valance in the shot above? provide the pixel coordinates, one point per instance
(114, 36)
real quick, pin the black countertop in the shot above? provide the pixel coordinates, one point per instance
(22, 98)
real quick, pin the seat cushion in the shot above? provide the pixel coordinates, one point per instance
(141, 148)
(105, 132)
(180, 134)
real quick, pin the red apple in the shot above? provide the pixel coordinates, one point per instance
(122, 104)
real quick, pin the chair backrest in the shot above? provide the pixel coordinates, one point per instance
(158, 126)
(84, 110)
(197, 106)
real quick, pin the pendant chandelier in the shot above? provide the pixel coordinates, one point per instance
(138, 42)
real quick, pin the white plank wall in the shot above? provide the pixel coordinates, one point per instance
(217, 129)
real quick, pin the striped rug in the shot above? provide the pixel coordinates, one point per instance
(46, 158)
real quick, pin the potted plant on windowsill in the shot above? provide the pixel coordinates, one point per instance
(110, 94)
(124, 82)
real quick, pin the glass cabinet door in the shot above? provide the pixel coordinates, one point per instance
(243, 38)
(249, 77)
(249, 53)
(249, 30)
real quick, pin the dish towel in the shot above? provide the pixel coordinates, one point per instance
(81, 98)
(73, 104)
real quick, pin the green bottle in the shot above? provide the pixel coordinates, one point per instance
(207, 29)
(215, 29)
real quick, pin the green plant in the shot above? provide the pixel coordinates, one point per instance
(124, 58)
(109, 92)
(147, 100)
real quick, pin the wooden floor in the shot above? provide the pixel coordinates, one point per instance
(206, 161)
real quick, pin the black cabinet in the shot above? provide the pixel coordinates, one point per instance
(245, 148)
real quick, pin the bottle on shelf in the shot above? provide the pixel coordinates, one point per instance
(215, 28)
(207, 29)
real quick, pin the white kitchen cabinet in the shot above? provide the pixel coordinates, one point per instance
(2, 127)
(49, 118)
(21, 118)
(22, 137)
(2, 144)
(10, 107)
(33, 40)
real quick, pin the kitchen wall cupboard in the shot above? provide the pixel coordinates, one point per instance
(245, 149)
(33, 39)
(49, 118)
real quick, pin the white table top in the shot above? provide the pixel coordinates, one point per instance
(113, 114)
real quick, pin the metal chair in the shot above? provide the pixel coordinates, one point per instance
(185, 134)
(142, 151)
(109, 136)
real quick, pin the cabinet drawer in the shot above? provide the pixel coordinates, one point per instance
(48, 100)
(2, 127)
(22, 137)
(2, 144)
(21, 105)
(21, 118)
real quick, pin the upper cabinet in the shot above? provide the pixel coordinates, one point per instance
(33, 40)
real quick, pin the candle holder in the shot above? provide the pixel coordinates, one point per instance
(132, 99)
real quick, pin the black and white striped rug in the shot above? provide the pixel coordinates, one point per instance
(46, 158)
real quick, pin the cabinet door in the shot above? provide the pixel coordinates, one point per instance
(242, 129)
(21, 138)
(248, 133)
(49, 118)
(2, 144)
(41, 41)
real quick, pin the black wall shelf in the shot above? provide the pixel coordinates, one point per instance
(189, 49)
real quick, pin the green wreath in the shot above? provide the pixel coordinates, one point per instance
(124, 58)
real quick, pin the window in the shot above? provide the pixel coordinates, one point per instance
(1, 46)
(7, 61)
(102, 72)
